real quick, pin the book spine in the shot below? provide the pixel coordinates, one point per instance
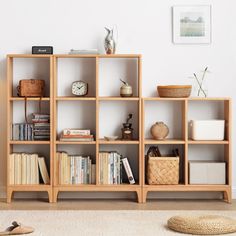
(93, 174)
(75, 132)
(128, 170)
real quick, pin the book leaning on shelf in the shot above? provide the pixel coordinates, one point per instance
(26, 168)
(75, 169)
(111, 168)
(76, 135)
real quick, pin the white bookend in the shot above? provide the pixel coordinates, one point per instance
(128, 170)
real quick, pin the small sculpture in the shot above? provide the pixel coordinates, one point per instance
(159, 130)
(125, 89)
(127, 130)
(109, 43)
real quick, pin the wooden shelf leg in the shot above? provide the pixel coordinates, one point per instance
(139, 196)
(50, 196)
(144, 195)
(55, 195)
(227, 196)
(9, 195)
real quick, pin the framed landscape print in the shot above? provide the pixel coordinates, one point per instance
(192, 24)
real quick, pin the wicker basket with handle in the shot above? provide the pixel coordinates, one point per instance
(163, 170)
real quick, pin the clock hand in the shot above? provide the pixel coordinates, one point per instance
(81, 87)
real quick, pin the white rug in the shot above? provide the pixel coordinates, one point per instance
(99, 223)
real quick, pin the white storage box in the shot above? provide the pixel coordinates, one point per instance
(207, 129)
(207, 172)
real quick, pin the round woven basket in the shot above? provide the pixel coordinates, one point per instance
(202, 225)
(174, 91)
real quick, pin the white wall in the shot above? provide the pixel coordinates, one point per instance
(144, 27)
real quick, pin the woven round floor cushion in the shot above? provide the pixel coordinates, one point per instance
(202, 225)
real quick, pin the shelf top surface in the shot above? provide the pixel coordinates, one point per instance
(74, 55)
(188, 99)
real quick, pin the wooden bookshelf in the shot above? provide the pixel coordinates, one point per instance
(12, 82)
(187, 143)
(96, 100)
(57, 100)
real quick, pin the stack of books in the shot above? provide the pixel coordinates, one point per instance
(75, 169)
(41, 124)
(83, 51)
(76, 135)
(22, 132)
(111, 168)
(24, 169)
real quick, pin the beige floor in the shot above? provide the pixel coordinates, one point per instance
(118, 205)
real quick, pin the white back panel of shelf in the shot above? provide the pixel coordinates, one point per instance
(112, 70)
(31, 68)
(74, 69)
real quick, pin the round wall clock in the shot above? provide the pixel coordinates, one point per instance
(79, 88)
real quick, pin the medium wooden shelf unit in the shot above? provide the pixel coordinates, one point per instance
(186, 143)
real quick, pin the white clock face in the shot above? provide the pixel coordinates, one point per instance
(79, 88)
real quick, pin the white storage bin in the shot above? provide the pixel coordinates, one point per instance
(207, 129)
(207, 172)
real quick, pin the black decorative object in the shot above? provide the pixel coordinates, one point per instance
(127, 130)
(42, 50)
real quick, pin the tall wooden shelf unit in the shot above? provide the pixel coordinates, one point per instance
(94, 99)
(186, 143)
(12, 102)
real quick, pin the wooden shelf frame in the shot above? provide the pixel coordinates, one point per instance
(98, 142)
(186, 142)
(10, 143)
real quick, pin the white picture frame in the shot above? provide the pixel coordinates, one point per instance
(192, 24)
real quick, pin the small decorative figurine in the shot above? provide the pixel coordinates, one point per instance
(159, 130)
(125, 89)
(127, 130)
(110, 44)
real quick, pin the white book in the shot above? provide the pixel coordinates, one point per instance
(93, 174)
(28, 169)
(76, 132)
(12, 169)
(43, 170)
(24, 168)
(128, 170)
(72, 169)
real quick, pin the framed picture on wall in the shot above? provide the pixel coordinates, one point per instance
(192, 24)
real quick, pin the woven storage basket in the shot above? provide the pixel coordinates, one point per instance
(174, 91)
(163, 170)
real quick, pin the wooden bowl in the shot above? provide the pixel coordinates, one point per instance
(174, 91)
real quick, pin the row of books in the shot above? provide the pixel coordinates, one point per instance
(76, 135)
(39, 129)
(75, 169)
(28, 168)
(111, 168)
(41, 126)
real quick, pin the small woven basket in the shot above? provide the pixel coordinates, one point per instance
(174, 91)
(163, 170)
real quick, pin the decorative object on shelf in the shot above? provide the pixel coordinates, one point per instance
(110, 44)
(111, 138)
(31, 88)
(200, 85)
(215, 129)
(159, 130)
(126, 89)
(192, 24)
(174, 91)
(79, 88)
(202, 225)
(42, 50)
(91, 51)
(162, 170)
(127, 130)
